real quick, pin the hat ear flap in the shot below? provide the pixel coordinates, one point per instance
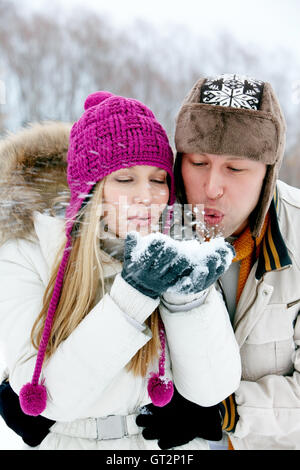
(267, 192)
(33, 396)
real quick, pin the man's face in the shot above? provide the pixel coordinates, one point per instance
(228, 187)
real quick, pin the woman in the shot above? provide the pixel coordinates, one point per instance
(91, 297)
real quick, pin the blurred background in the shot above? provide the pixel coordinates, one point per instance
(53, 54)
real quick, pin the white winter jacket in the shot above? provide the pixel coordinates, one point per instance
(267, 328)
(86, 377)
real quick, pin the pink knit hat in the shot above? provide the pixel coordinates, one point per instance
(113, 133)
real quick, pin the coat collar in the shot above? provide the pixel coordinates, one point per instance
(274, 253)
(281, 251)
(288, 210)
(51, 234)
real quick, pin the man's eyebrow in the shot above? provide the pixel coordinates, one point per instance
(234, 157)
(228, 157)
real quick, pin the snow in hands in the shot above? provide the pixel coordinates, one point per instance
(207, 260)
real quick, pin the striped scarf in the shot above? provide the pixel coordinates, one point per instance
(247, 251)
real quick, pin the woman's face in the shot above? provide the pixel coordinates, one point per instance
(134, 199)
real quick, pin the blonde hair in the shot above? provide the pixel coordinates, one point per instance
(84, 275)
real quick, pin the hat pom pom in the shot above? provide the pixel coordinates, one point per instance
(160, 390)
(96, 98)
(33, 399)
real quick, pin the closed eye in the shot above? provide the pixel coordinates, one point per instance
(235, 170)
(159, 181)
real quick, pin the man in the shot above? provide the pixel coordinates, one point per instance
(230, 138)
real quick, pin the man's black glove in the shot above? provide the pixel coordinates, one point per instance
(179, 422)
(32, 429)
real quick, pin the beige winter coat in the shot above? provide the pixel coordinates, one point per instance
(267, 328)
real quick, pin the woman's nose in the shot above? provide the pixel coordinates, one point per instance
(143, 194)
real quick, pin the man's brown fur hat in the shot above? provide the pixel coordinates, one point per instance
(234, 115)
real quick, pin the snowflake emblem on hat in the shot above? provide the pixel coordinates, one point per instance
(236, 91)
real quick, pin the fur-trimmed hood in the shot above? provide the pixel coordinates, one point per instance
(33, 164)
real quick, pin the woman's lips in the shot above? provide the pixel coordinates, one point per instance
(213, 217)
(140, 220)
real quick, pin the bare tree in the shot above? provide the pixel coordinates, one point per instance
(52, 62)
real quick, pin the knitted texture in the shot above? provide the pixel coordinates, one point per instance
(113, 133)
(33, 397)
(160, 389)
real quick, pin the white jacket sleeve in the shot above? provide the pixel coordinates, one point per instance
(204, 353)
(89, 359)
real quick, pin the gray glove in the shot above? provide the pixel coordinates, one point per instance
(209, 260)
(152, 263)
(156, 263)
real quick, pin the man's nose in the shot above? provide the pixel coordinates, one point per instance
(214, 185)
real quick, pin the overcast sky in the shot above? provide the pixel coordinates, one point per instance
(267, 22)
